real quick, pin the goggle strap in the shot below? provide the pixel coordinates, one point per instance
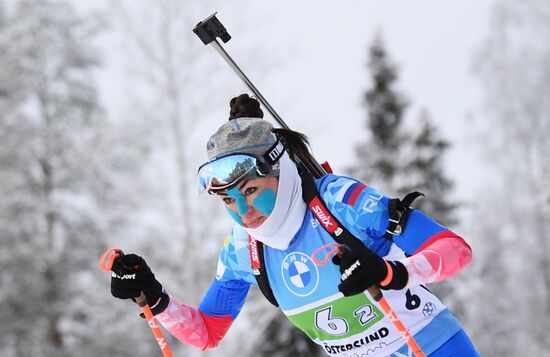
(274, 153)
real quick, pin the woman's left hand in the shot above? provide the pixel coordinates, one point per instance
(362, 268)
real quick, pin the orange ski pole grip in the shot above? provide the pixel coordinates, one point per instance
(108, 258)
(106, 264)
(376, 294)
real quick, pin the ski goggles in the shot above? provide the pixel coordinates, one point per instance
(226, 171)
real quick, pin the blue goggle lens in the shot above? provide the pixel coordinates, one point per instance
(224, 172)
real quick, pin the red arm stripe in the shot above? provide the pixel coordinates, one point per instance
(442, 234)
(217, 327)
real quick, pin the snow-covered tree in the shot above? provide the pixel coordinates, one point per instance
(379, 156)
(53, 219)
(423, 170)
(168, 91)
(394, 158)
(161, 61)
(511, 300)
(398, 159)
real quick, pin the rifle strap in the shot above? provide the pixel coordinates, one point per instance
(256, 249)
(399, 211)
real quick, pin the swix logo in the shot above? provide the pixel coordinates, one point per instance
(124, 277)
(254, 257)
(254, 251)
(323, 216)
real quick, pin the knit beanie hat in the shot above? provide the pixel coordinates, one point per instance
(245, 135)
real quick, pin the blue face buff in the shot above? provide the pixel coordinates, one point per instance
(265, 203)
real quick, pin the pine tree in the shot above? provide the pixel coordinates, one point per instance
(424, 172)
(398, 162)
(379, 155)
(512, 212)
(395, 160)
(51, 187)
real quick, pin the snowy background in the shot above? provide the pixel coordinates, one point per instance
(105, 108)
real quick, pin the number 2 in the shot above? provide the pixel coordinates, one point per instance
(365, 314)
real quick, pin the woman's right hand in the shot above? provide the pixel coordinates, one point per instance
(131, 275)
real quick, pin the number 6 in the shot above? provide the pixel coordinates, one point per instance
(329, 324)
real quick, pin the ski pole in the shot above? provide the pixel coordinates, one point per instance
(406, 335)
(106, 264)
(208, 30)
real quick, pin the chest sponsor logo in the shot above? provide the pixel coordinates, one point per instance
(299, 274)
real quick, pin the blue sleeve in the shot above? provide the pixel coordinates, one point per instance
(364, 212)
(228, 291)
(224, 298)
(360, 208)
(419, 229)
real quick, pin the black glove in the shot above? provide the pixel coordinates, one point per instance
(362, 268)
(131, 275)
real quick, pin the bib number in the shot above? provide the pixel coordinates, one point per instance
(365, 314)
(413, 300)
(337, 319)
(337, 326)
(333, 325)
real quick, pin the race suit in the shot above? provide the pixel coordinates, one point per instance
(308, 294)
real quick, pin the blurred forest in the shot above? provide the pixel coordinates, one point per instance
(87, 164)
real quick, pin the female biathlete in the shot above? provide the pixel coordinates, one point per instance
(252, 168)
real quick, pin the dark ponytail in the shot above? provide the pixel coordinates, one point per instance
(296, 143)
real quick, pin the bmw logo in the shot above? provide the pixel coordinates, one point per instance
(300, 274)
